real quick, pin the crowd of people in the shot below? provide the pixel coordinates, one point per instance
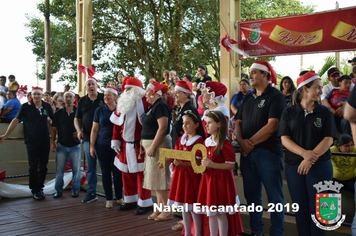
(125, 127)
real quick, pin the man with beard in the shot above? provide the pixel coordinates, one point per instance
(126, 139)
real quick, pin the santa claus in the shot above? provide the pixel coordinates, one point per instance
(125, 141)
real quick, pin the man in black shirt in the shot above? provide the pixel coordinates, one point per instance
(261, 149)
(35, 124)
(83, 122)
(68, 145)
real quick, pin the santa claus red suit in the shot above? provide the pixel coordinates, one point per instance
(126, 138)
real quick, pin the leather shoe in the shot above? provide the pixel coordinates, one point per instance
(75, 193)
(58, 194)
(128, 206)
(142, 210)
(37, 196)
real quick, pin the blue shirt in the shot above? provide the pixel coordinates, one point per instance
(102, 116)
(237, 103)
(15, 105)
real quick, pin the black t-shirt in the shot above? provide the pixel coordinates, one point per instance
(206, 79)
(307, 131)
(178, 122)
(64, 123)
(85, 112)
(35, 121)
(289, 100)
(149, 119)
(352, 98)
(255, 112)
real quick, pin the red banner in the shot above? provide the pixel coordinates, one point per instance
(300, 34)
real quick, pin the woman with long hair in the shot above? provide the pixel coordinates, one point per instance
(307, 130)
(287, 88)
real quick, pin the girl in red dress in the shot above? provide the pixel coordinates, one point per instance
(217, 186)
(185, 183)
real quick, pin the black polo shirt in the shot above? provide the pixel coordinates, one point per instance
(307, 131)
(85, 112)
(178, 121)
(255, 112)
(352, 98)
(35, 121)
(149, 119)
(64, 122)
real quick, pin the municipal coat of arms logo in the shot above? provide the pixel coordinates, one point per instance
(255, 34)
(318, 123)
(328, 206)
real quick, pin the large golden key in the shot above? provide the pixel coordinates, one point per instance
(184, 155)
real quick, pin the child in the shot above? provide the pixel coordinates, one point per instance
(217, 186)
(344, 166)
(3, 90)
(335, 101)
(185, 182)
(13, 85)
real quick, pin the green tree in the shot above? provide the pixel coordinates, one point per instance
(146, 36)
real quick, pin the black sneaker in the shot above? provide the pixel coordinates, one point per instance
(90, 197)
(128, 206)
(75, 193)
(143, 210)
(37, 196)
(42, 194)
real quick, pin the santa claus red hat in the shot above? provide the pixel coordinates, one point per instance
(130, 82)
(37, 90)
(113, 90)
(89, 72)
(307, 78)
(217, 90)
(184, 86)
(158, 88)
(69, 92)
(265, 66)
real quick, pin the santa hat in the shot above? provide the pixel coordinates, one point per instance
(22, 91)
(113, 90)
(265, 66)
(37, 89)
(184, 86)
(158, 88)
(89, 72)
(217, 90)
(69, 92)
(307, 78)
(131, 82)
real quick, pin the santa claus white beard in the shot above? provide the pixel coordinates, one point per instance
(127, 101)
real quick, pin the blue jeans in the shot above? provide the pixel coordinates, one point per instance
(91, 172)
(302, 192)
(353, 226)
(62, 155)
(262, 166)
(106, 157)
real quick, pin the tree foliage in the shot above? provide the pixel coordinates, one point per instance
(147, 36)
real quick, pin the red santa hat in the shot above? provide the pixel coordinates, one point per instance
(184, 86)
(89, 72)
(37, 90)
(131, 82)
(265, 66)
(69, 92)
(217, 90)
(307, 78)
(113, 90)
(158, 88)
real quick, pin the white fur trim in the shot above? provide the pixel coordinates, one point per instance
(145, 203)
(114, 119)
(189, 142)
(131, 157)
(37, 90)
(182, 89)
(133, 86)
(259, 67)
(131, 199)
(172, 202)
(112, 90)
(140, 109)
(91, 80)
(201, 85)
(70, 92)
(159, 92)
(209, 142)
(230, 162)
(151, 86)
(121, 166)
(308, 81)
